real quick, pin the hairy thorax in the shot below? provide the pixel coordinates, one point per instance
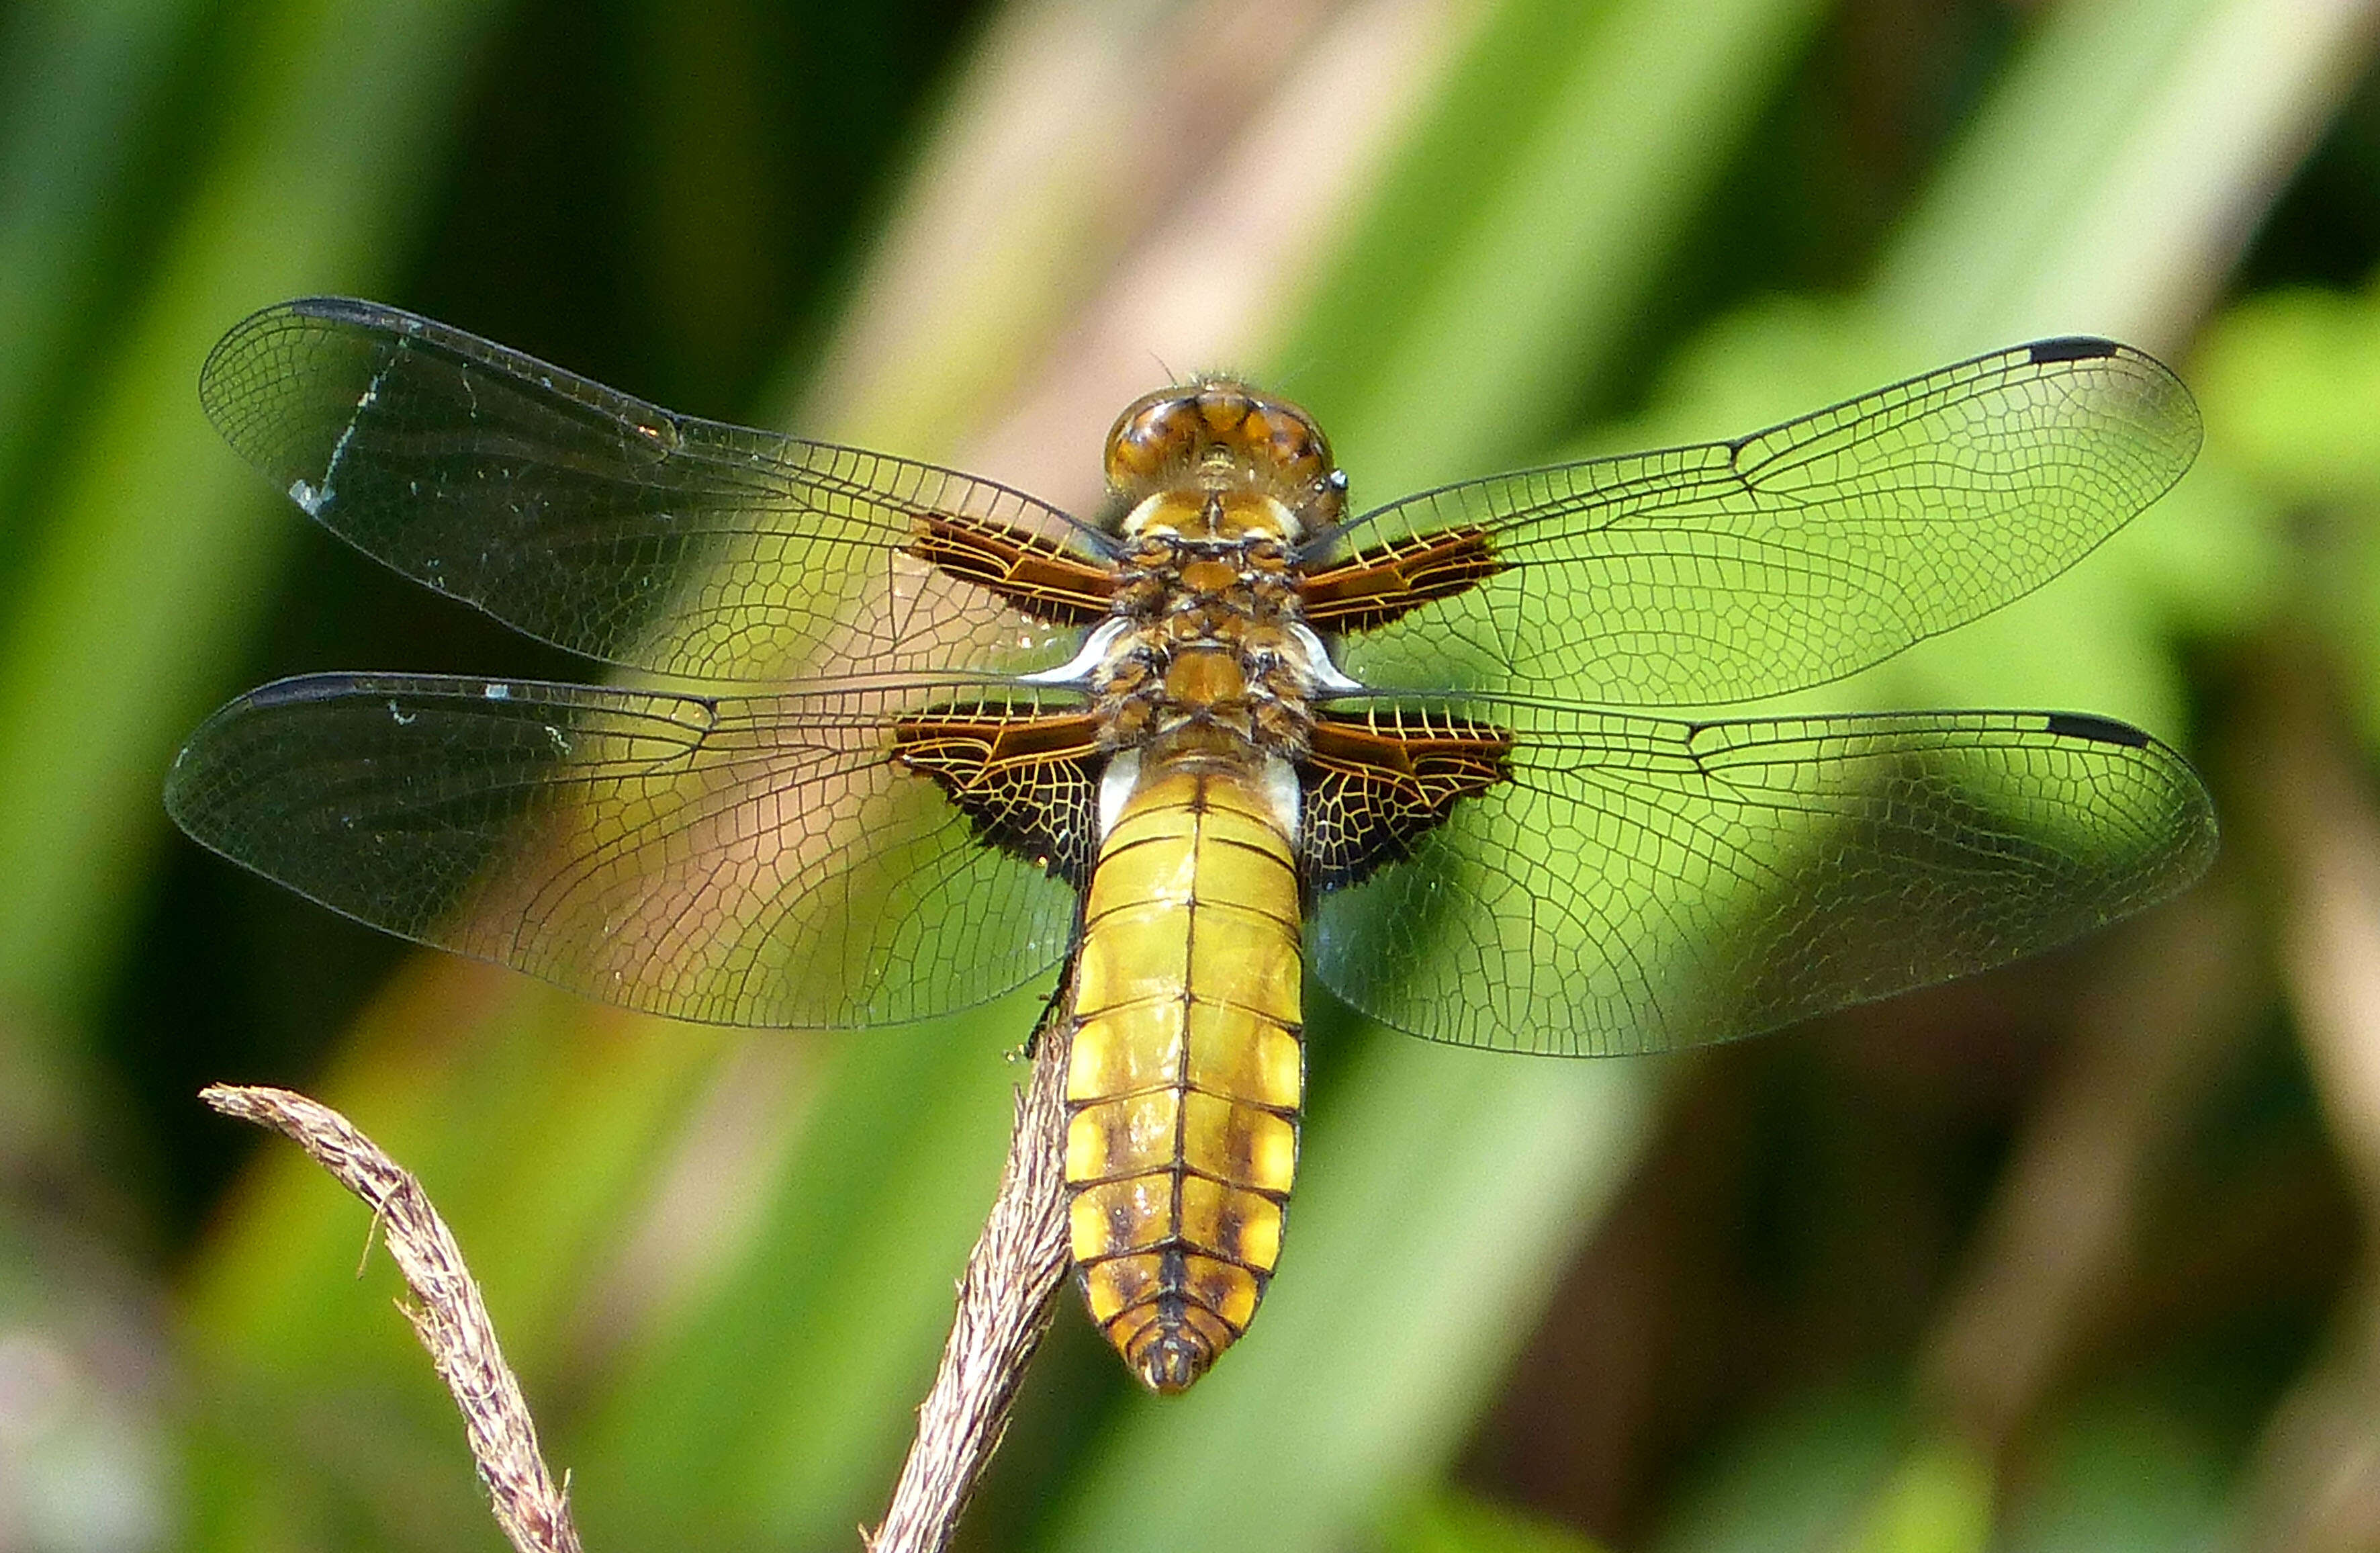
(1206, 649)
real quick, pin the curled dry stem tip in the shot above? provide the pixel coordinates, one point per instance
(1003, 1310)
(447, 1312)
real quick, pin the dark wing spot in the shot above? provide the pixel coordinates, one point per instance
(2072, 347)
(2099, 730)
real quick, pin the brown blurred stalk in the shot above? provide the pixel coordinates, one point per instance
(2314, 1485)
(2167, 1000)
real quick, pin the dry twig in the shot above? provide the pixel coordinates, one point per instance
(450, 1319)
(1004, 1305)
(1003, 1310)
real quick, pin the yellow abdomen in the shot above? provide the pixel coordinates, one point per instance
(1182, 1091)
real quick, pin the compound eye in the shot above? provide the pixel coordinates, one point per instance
(1154, 432)
(1328, 503)
(1223, 409)
(1212, 426)
(1292, 445)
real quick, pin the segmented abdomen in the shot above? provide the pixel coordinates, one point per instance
(1184, 1086)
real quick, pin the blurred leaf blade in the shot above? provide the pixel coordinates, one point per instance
(1940, 1501)
(2102, 189)
(1448, 1521)
(760, 1416)
(124, 625)
(75, 84)
(1541, 246)
(2124, 1473)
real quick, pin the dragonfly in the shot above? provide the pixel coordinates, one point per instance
(883, 740)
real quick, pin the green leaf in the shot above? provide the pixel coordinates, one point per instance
(1940, 1501)
(1446, 1519)
(126, 619)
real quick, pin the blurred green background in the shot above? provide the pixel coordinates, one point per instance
(2075, 1256)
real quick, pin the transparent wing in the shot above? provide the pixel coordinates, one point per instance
(606, 525)
(751, 860)
(1639, 884)
(1700, 576)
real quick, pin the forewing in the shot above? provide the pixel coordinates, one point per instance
(753, 860)
(1700, 576)
(1638, 884)
(608, 525)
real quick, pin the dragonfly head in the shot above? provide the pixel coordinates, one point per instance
(1217, 459)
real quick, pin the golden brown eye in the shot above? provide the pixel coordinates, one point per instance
(1208, 433)
(1152, 433)
(1149, 433)
(1224, 408)
(1290, 444)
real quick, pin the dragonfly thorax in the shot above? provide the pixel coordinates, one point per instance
(1207, 634)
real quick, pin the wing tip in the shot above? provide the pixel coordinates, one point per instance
(233, 357)
(2159, 384)
(2195, 831)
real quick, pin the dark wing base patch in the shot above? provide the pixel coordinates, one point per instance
(1375, 783)
(1374, 587)
(1028, 571)
(1028, 780)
